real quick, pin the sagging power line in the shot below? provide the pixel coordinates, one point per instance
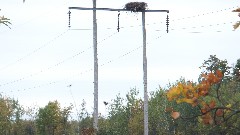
(81, 52)
(63, 33)
(53, 66)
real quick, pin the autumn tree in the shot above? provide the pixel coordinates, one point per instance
(10, 116)
(52, 120)
(216, 96)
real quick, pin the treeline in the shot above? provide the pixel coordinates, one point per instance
(214, 112)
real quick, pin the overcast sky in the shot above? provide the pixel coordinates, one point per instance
(41, 56)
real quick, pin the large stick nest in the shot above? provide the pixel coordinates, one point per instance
(136, 6)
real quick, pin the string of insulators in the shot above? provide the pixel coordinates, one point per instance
(118, 28)
(167, 22)
(69, 18)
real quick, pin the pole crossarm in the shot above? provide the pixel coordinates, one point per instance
(112, 9)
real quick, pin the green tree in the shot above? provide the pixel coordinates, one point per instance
(5, 114)
(118, 117)
(51, 120)
(10, 116)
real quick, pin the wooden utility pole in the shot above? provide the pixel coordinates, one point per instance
(95, 113)
(95, 121)
(145, 75)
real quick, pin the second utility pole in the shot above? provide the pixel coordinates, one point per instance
(145, 75)
(95, 113)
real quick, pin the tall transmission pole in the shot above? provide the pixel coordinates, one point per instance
(95, 113)
(95, 121)
(145, 75)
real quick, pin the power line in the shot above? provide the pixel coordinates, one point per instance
(201, 26)
(106, 63)
(86, 71)
(34, 18)
(60, 35)
(70, 90)
(57, 64)
(35, 50)
(178, 19)
(79, 53)
(203, 14)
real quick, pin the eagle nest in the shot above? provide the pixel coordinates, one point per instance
(136, 6)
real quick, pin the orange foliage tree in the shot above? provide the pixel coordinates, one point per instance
(210, 95)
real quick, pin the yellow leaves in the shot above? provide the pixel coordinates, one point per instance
(229, 105)
(173, 93)
(194, 94)
(188, 93)
(192, 101)
(184, 92)
(228, 110)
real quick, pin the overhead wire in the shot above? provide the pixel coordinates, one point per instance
(39, 48)
(35, 50)
(60, 35)
(86, 71)
(89, 48)
(201, 26)
(172, 20)
(108, 62)
(203, 14)
(63, 61)
(75, 105)
(34, 18)
(113, 60)
(69, 58)
(57, 64)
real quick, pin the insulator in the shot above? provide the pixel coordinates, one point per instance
(118, 28)
(167, 22)
(69, 18)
